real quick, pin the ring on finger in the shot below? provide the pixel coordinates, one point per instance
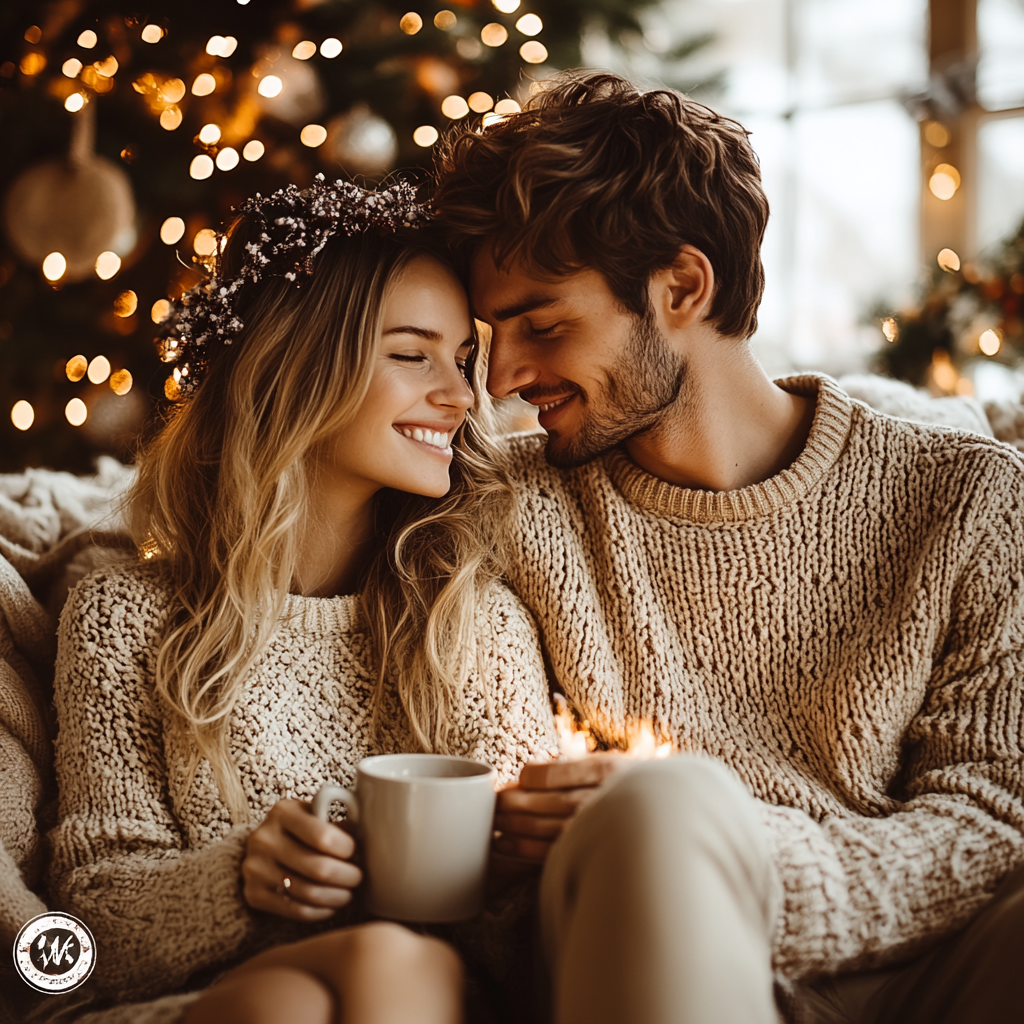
(282, 889)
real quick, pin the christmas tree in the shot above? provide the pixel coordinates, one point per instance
(130, 133)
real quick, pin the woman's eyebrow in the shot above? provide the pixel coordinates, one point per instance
(422, 332)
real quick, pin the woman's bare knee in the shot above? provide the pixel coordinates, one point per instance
(267, 996)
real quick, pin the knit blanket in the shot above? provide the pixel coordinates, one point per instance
(54, 529)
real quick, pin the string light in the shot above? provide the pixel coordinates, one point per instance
(944, 182)
(204, 85)
(23, 415)
(270, 86)
(506, 6)
(160, 311)
(425, 135)
(88, 39)
(209, 134)
(74, 102)
(454, 107)
(107, 68)
(227, 158)
(152, 34)
(481, 102)
(948, 260)
(54, 266)
(75, 368)
(507, 107)
(221, 46)
(171, 230)
(170, 119)
(411, 23)
(529, 24)
(201, 167)
(71, 67)
(107, 265)
(330, 48)
(493, 34)
(205, 242)
(313, 135)
(121, 382)
(533, 52)
(172, 91)
(99, 370)
(126, 303)
(989, 342)
(253, 150)
(445, 20)
(76, 412)
(304, 50)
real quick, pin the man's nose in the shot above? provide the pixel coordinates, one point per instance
(509, 369)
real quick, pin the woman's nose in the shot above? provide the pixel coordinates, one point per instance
(455, 392)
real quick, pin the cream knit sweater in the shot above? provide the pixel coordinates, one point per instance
(153, 868)
(846, 636)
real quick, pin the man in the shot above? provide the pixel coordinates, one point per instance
(822, 606)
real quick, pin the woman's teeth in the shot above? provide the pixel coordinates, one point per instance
(431, 437)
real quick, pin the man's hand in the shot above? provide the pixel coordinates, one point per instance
(313, 855)
(532, 812)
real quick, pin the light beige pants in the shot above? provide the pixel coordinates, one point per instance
(657, 905)
(657, 902)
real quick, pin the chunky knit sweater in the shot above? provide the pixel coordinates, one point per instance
(153, 867)
(846, 636)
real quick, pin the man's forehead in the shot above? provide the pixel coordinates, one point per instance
(499, 292)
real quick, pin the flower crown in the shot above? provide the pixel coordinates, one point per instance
(290, 228)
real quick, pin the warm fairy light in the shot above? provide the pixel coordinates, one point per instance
(54, 266)
(160, 311)
(227, 159)
(171, 230)
(88, 39)
(106, 68)
(99, 370)
(71, 67)
(890, 329)
(313, 135)
(205, 242)
(126, 303)
(989, 342)
(33, 34)
(425, 135)
(330, 48)
(221, 46)
(204, 85)
(507, 107)
(169, 350)
(107, 265)
(411, 23)
(75, 368)
(170, 119)
(491, 118)
(304, 50)
(171, 390)
(152, 34)
(270, 86)
(574, 741)
(936, 134)
(172, 91)
(944, 182)
(943, 372)
(32, 63)
(23, 415)
(506, 6)
(454, 107)
(529, 24)
(76, 412)
(533, 52)
(445, 20)
(201, 167)
(209, 134)
(493, 34)
(481, 102)
(253, 150)
(965, 387)
(948, 260)
(121, 382)
(642, 743)
(75, 102)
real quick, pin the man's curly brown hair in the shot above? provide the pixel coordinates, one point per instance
(594, 173)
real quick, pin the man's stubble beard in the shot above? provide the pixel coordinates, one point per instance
(646, 380)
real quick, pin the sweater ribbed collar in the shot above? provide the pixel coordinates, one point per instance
(825, 442)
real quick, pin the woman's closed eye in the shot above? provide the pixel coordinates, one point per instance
(403, 358)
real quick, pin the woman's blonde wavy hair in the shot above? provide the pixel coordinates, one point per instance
(223, 494)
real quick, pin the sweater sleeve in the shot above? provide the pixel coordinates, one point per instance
(859, 891)
(157, 909)
(511, 721)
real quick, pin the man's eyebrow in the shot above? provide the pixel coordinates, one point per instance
(422, 332)
(526, 306)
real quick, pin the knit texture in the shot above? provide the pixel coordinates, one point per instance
(152, 866)
(846, 636)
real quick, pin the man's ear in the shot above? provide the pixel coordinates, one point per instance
(682, 292)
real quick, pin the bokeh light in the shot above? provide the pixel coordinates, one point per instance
(227, 159)
(75, 412)
(506, 6)
(201, 167)
(74, 102)
(411, 23)
(171, 230)
(152, 34)
(253, 150)
(54, 266)
(71, 67)
(445, 20)
(529, 24)
(121, 382)
(204, 85)
(107, 265)
(425, 135)
(270, 86)
(99, 370)
(160, 311)
(989, 342)
(507, 106)
(533, 52)
(75, 368)
(205, 242)
(23, 415)
(481, 102)
(126, 303)
(88, 39)
(330, 48)
(454, 107)
(494, 34)
(209, 134)
(948, 260)
(313, 135)
(304, 50)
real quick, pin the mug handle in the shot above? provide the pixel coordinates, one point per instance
(327, 794)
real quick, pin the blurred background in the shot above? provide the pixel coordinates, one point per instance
(890, 133)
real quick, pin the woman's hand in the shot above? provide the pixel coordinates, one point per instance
(312, 855)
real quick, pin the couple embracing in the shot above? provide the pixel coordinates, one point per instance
(822, 607)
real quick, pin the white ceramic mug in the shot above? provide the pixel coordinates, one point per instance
(425, 823)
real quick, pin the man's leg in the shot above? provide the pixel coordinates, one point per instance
(657, 902)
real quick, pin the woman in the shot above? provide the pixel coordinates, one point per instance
(328, 443)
